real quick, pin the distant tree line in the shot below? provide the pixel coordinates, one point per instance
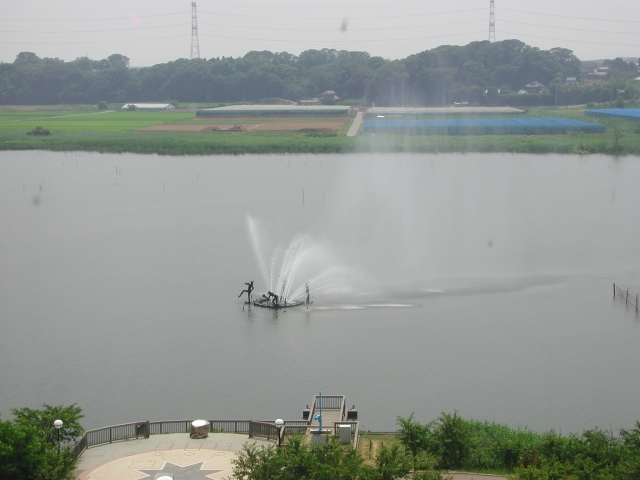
(480, 72)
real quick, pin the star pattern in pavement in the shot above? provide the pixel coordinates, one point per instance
(190, 472)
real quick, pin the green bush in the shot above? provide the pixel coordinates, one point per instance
(39, 132)
(103, 105)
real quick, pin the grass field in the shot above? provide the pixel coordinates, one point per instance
(97, 121)
(116, 131)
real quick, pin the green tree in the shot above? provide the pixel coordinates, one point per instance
(391, 464)
(43, 419)
(453, 436)
(102, 105)
(413, 436)
(29, 446)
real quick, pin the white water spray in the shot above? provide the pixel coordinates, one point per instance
(305, 262)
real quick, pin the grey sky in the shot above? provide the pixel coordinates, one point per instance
(157, 31)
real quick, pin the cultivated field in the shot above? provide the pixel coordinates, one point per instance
(181, 133)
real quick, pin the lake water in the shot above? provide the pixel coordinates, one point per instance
(477, 283)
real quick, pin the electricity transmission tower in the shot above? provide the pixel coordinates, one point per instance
(195, 46)
(492, 22)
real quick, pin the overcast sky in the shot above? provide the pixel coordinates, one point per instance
(157, 31)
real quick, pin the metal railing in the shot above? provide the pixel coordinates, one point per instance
(184, 426)
(230, 426)
(263, 430)
(255, 429)
(127, 431)
(170, 426)
(113, 433)
(329, 402)
(79, 447)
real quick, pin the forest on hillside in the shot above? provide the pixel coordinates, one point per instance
(481, 72)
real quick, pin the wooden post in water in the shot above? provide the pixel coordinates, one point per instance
(626, 300)
(637, 296)
(614, 290)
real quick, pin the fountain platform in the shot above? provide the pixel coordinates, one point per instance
(267, 303)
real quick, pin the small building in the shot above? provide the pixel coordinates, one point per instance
(311, 101)
(275, 111)
(329, 95)
(534, 87)
(571, 81)
(149, 106)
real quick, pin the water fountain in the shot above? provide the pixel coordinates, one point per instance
(304, 269)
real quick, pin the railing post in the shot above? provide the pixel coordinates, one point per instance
(110, 435)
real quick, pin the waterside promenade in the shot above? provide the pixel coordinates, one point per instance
(172, 453)
(185, 458)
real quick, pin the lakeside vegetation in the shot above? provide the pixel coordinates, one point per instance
(117, 132)
(29, 450)
(451, 443)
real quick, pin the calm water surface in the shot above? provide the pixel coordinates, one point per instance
(480, 283)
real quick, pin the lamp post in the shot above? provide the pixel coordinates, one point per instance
(58, 425)
(279, 423)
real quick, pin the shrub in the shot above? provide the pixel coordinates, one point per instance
(102, 105)
(39, 131)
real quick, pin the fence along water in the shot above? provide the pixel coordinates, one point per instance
(627, 295)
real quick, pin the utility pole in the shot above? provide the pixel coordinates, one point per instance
(195, 46)
(492, 21)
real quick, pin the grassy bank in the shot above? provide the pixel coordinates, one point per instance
(211, 143)
(116, 132)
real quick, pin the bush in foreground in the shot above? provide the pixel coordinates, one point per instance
(29, 444)
(454, 442)
(329, 461)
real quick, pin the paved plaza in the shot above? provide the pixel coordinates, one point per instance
(177, 454)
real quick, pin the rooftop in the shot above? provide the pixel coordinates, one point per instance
(440, 110)
(236, 110)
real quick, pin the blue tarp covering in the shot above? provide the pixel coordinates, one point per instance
(624, 113)
(481, 126)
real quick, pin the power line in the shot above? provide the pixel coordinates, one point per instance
(576, 29)
(341, 18)
(520, 34)
(347, 41)
(223, 25)
(251, 39)
(546, 14)
(81, 43)
(96, 31)
(90, 19)
(333, 29)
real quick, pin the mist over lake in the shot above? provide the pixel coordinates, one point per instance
(477, 283)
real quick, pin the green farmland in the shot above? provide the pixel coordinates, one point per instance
(90, 121)
(118, 132)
